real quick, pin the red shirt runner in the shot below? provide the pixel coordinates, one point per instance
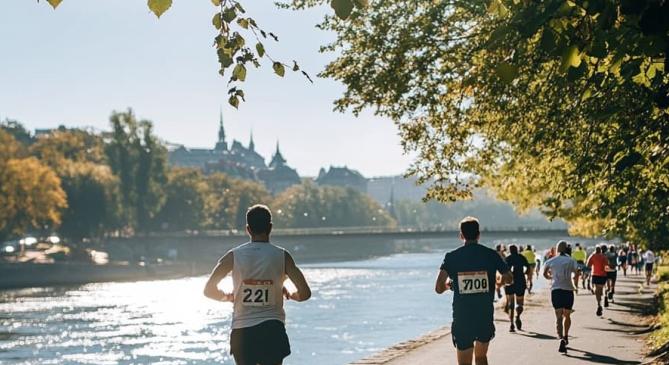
(598, 263)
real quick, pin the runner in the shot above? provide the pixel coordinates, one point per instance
(597, 263)
(538, 268)
(515, 292)
(559, 271)
(500, 249)
(611, 273)
(580, 255)
(632, 258)
(622, 260)
(531, 258)
(649, 258)
(472, 268)
(258, 269)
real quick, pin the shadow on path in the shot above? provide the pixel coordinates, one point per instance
(538, 336)
(598, 359)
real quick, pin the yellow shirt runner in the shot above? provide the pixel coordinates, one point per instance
(530, 256)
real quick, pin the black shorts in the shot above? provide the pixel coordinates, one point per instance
(612, 275)
(465, 334)
(562, 299)
(517, 289)
(599, 280)
(649, 267)
(265, 344)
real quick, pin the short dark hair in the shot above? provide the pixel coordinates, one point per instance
(469, 227)
(259, 219)
(598, 249)
(513, 249)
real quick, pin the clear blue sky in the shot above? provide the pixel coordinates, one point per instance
(76, 64)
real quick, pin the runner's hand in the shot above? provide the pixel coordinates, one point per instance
(225, 297)
(286, 293)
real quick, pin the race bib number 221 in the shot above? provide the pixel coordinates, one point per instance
(257, 293)
(473, 282)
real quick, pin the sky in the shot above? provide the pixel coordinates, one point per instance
(74, 65)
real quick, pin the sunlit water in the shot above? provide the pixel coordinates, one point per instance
(357, 308)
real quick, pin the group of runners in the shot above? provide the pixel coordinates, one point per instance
(472, 271)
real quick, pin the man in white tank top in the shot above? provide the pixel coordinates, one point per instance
(259, 270)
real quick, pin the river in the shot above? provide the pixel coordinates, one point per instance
(358, 307)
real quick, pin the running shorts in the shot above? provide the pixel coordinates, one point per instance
(265, 343)
(465, 334)
(583, 267)
(649, 267)
(562, 299)
(517, 289)
(612, 275)
(599, 280)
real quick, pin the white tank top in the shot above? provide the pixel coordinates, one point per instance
(258, 273)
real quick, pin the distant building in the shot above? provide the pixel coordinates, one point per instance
(342, 176)
(279, 176)
(401, 188)
(237, 161)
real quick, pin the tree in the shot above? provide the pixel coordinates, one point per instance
(308, 205)
(73, 145)
(184, 208)
(93, 200)
(17, 130)
(558, 104)
(30, 196)
(139, 160)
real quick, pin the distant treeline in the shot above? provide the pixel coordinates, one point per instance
(83, 185)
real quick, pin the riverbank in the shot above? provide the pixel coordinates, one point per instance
(618, 337)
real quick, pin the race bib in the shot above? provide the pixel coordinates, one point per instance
(257, 293)
(473, 282)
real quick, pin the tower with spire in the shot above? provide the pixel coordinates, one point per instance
(221, 145)
(277, 159)
(252, 146)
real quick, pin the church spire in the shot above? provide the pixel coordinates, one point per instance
(221, 144)
(252, 145)
(277, 159)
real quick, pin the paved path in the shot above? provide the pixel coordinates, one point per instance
(615, 338)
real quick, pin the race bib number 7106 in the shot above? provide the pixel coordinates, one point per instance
(257, 293)
(473, 282)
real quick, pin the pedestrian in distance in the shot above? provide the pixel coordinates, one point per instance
(649, 258)
(597, 263)
(611, 273)
(559, 270)
(470, 271)
(259, 269)
(515, 292)
(531, 258)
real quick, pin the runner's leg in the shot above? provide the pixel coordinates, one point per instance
(567, 322)
(558, 323)
(520, 300)
(465, 356)
(510, 302)
(481, 352)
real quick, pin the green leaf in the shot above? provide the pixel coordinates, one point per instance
(260, 49)
(507, 72)
(342, 8)
(159, 7)
(216, 21)
(234, 101)
(279, 69)
(224, 58)
(570, 58)
(361, 4)
(229, 14)
(244, 23)
(239, 72)
(216, 2)
(296, 67)
(54, 3)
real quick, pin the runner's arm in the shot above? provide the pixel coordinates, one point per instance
(223, 268)
(547, 274)
(295, 275)
(440, 286)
